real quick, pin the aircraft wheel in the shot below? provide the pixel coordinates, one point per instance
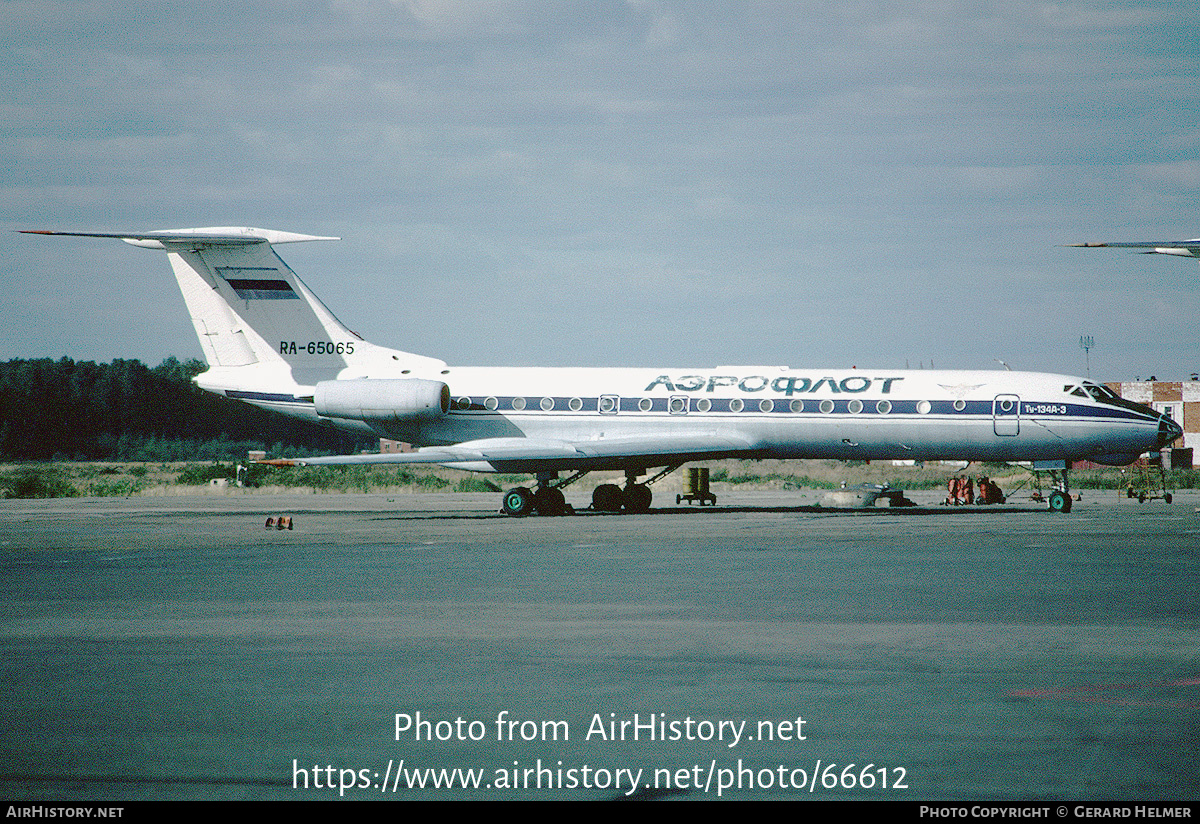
(517, 502)
(637, 498)
(1166, 499)
(549, 501)
(1060, 502)
(607, 498)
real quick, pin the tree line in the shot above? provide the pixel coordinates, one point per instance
(125, 411)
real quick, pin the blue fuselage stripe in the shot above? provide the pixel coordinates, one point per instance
(782, 406)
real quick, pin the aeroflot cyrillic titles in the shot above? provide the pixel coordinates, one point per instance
(788, 384)
(270, 341)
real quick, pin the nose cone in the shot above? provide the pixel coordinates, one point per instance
(1168, 431)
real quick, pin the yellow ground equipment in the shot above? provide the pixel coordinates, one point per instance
(1147, 481)
(696, 487)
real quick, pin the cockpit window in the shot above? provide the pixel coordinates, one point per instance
(1077, 391)
(1104, 395)
(1101, 393)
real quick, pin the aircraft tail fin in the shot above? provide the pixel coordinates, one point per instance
(248, 307)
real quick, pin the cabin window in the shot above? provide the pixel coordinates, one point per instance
(491, 403)
(547, 404)
(855, 406)
(518, 403)
(883, 407)
(678, 405)
(826, 406)
(608, 404)
(736, 405)
(796, 406)
(766, 405)
(923, 407)
(645, 404)
(960, 405)
(575, 404)
(703, 405)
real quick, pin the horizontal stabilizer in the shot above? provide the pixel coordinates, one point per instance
(211, 236)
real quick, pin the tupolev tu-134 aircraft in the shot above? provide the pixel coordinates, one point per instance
(270, 341)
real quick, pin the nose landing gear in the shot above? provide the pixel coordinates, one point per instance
(1059, 499)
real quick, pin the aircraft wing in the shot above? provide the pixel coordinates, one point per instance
(530, 455)
(1180, 248)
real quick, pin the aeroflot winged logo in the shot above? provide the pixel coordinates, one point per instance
(789, 385)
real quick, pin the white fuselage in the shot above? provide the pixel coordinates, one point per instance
(866, 414)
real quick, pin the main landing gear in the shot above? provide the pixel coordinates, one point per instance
(547, 498)
(611, 498)
(635, 497)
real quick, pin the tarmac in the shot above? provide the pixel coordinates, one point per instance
(425, 647)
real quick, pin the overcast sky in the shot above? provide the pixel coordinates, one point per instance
(634, 183)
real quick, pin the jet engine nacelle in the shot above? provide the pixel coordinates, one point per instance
(382, 399)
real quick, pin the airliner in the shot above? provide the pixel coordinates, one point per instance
(269, 341)
(1179, 248)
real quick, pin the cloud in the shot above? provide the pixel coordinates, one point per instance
(785, 168)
